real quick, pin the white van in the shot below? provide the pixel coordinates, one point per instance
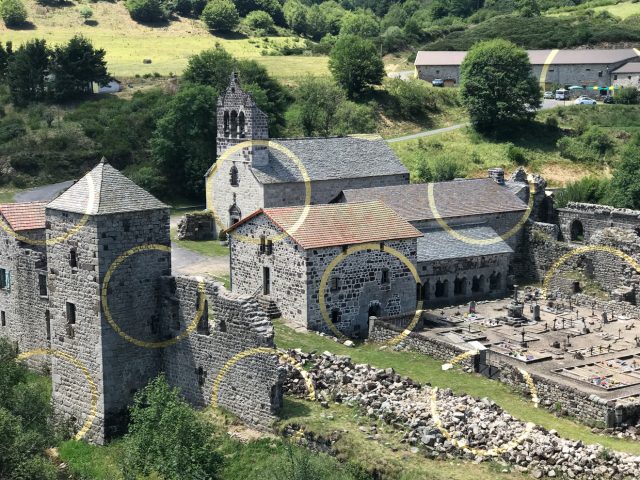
(562, 94)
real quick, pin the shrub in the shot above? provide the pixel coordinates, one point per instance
(410, 99)
(147, 10)
(220, 15)
(261, 21)
(354, 118)
(517, 155)
(628, 96)
(86, 12)
(13, 13)
(394, 39)
(11, 127)
(586, 190)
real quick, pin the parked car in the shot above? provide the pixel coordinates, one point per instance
(562, 94)
(584, 100)
(607, 99)
(437, 82)
(548, 95)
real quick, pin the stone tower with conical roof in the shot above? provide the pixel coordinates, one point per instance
(108, 247)
(239, 119)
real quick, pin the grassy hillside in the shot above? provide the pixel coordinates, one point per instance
(622, 10)
(128, 43)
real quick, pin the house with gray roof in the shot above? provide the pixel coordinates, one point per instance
(627, 75)
(461, 255)
(282, 172)
(585, 67)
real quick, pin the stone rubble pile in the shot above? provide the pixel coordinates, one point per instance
(478, 423)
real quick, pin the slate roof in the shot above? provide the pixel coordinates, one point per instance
(538, 57)
(112, 193)
(631, 67)
(331, 158)
(438, 244)
(458, 198)
(24, 216)
(336, 224)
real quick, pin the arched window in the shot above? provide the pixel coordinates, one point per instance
(494, 281)
(241, 124)
(234, 180)
(476, 284)
(233, 123)
(577, 231)
(226, 123)
(425, 290)
(203, 324)
(460, 286)
(442, 288)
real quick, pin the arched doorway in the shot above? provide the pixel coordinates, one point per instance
(459, 286)
(577, 231)
(374, 310)
(442, 289)
(234, 215)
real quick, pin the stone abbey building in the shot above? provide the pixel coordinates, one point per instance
(89, 277)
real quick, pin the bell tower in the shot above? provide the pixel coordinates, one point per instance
(239, 120)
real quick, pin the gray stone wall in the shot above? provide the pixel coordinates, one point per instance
(464, 270)
(595, 217)
(627, 80)
(445, 72)
(196, 226)
(287, 268)
(252, 388)
(324, 191)
(360, 286)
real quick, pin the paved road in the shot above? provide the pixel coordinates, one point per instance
(188, 262)
(428, 133)
(43, 194)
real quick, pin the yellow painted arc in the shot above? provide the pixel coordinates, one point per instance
(545, 68)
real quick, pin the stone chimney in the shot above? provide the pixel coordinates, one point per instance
(497, 174)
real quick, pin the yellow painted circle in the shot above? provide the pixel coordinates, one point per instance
(107, 312)
(75, 229)
(494, 451)
(340, 258)
(479, 241)
(260, 351)
(586, 249)
(85, 371)
(269, 144)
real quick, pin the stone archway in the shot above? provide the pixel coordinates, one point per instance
(576, 231)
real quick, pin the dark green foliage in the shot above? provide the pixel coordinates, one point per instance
(295, 14)
(220, 15)
(586, 190)
(11, 127)
(182, 144)
(5, 56)
(356, 64)
(394, 39)
(148, 11)
(75, 66)
(26, 72)
(318, 101)
(625, 185)
(25, 422)
(517, 155)
(590, 146)
(260, 21)
(363, 24)
(272, 7)
(167, 438)
(13, 13)
(438, 169)
(628, 96)
(496, 85)
(415, 99)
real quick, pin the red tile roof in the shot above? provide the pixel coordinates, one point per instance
(24, 216)
(339, 224)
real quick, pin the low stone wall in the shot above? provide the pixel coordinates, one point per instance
(196, 226)
(381, 332)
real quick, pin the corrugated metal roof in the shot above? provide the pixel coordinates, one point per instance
(112, 192)
(631, 67)
(338, 224)
(538, 57)
(458, 198)
(24, 216)
(439, 244)
(331, 158)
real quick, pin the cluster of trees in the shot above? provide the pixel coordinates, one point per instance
(36, 72)
(13, 13)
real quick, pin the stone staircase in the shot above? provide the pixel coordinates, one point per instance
(268, 305)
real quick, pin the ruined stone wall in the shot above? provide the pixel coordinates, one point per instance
(196, 226)
(466, 269)
(324, 191)
(250, 388)
(286, 264)
(24, 309)
(594, 218)
(360, 286)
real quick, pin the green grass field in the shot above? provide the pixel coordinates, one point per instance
(622, 10)
(7, 194)
(169, 46)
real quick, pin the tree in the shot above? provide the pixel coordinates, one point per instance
(625, 184)
(221, 15)
(355, 64)
(259, 20)
(5, 56)
(182, 144)
(529, 8)
(272, 7)
(318, 101)
(26, 72)
(497, 86)
(75, 67)
(86, 13)
(167, 439)
(13, 12)
(363, 24)
(148, 10)
(295, 14)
